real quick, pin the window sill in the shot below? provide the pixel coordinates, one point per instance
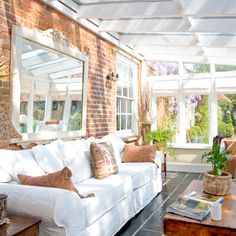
(190, 146)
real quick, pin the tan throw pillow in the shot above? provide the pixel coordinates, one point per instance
(135, 153)
(59, 179)
(103, 160)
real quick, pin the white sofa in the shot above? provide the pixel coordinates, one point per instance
(117, 198)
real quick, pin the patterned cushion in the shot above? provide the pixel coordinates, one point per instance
(135, 153)
(59, 179)
(103, 160)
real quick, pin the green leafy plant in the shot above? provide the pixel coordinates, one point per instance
(162, 136)
(217, 157)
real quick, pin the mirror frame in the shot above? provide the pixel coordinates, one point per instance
(58, 42)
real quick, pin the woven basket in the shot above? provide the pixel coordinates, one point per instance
(217, 185)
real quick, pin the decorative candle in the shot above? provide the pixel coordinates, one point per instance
(216, 211)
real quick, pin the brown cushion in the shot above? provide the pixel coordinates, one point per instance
(103, 160)
(59, 179)
(228, 142)
(135, 153)
(232, 147)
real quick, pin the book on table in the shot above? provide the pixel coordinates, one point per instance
(190, 208)
(204, 197)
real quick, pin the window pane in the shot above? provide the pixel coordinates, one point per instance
(125, 90)
(226, 114)
(38, 110)
(131, 95)
(118, 122)
(75, 119)
(118, 102)
(225, 68)
(119, 88)
(126, 73)
(197, 122)
(162, 68)
(167, 113)
(123, 105)
(129, 106)
(129, 122)
(57, 107)
(196, 68)
(123, 122)
(131, 74)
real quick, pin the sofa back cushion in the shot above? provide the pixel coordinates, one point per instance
(76, 156)
(49, 157)
(19, 162)
(117, 143)
(4, 176)
(103, 160)
(135, 153)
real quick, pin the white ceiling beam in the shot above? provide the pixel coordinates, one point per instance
(145, 25)
(222, 60)
(210, 8)
(160, 39)
(220, 52)
(66, 73)
(217, 25)
(173, 58)
(227, 41)
(69, 64)
(170, 50)
(119, 10)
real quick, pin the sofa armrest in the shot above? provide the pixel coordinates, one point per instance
(53, 205)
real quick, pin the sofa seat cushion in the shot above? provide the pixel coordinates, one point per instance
(108, 193)
(141, 173)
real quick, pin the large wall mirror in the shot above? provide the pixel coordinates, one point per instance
(49, 86)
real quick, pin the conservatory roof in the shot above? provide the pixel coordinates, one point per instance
(201, 31)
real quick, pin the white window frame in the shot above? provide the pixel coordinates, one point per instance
(134, 112)
(215, 87)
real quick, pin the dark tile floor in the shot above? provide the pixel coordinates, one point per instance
(148, 222)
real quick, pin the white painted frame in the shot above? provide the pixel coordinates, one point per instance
(18, 34)
(134, 119)
(227, 87)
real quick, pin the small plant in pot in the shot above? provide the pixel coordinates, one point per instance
(217, 181)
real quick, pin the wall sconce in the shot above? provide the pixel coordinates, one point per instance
(113, 77)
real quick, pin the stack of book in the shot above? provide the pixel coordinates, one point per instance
(193, 205)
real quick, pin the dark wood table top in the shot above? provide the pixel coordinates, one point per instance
(228, 209)
(17, 225)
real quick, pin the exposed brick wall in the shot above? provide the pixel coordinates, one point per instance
(101, 54)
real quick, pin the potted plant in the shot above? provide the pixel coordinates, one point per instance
(162, 136)
(217, 181)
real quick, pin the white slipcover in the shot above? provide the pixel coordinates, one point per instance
(19, 162)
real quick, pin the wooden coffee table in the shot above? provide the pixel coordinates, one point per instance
(175, 225)
(20, 226)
